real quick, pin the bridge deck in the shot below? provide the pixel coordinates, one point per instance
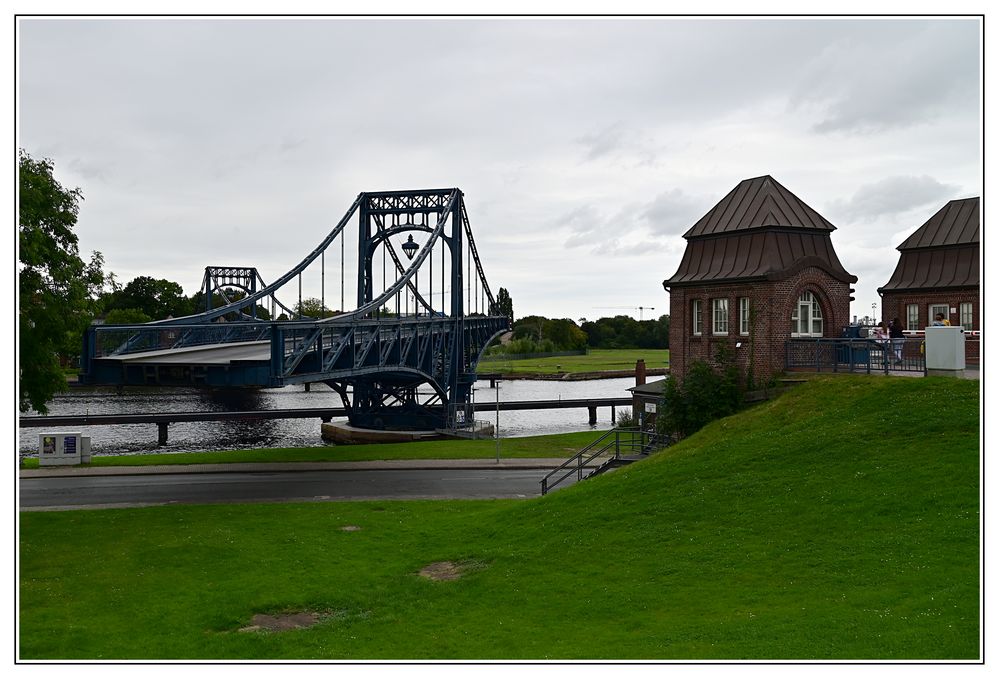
(208, 354)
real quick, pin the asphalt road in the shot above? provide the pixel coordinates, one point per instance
(78, 492)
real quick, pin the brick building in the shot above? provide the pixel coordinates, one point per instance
(759, 269)
(937, 271)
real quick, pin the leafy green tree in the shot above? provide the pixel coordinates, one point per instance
(157, 298)
(707, 393)
(312, 307)
(126, 317)
(504, 304)
(57, 289)
(624, 332)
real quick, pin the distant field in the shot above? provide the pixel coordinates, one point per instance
(597, 360)
(839, 521)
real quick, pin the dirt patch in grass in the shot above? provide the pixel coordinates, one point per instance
(448, 570)
(282, 622)
(350, 529)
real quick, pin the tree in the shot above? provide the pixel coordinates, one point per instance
(57, 290)
(312, 307)
(504, 305)
(707, 393)
(157, 298)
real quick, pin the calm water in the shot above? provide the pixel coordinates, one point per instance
(199, 436)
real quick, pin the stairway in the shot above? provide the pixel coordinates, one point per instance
(615, 448)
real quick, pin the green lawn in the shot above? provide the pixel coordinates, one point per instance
(838, 521)
(595, 361)
(551, 445)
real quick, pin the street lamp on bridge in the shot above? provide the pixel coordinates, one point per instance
(410, 247)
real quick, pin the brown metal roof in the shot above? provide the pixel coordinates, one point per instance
(942, 253)
(956, 223)
(768, 254)
(756, 203)
(760, 230)
(935, 268)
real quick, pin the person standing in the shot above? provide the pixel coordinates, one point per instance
(897, 338)
(940, 320)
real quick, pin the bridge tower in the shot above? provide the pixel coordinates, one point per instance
(409, 367)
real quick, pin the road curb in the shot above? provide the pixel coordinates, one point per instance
(271, 467)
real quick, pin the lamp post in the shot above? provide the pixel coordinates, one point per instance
(874, 313)
(497, 420)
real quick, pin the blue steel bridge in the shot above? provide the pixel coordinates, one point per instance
(405, 357)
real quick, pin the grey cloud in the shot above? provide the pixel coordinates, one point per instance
(884, 75)
(616, 248)
(892, 196)
(673, 212)
(603, 142)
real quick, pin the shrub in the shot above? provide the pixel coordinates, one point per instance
(706, 394)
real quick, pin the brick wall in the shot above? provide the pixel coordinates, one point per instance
(771, 306)
(894, 305)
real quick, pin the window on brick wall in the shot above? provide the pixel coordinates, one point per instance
(806, 317)
(967, 316)
(697, 316)
(938, 309)
(743, 315)
(719, 316)
(912, 317)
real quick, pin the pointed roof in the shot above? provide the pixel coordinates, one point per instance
(942, 253)
(757, 203)
(956, 223)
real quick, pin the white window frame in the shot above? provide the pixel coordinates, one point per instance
(719, 316)
(697, 316)
(935, 309)
(912, 317)
(967, 315)
(743, 315)
(806, 313)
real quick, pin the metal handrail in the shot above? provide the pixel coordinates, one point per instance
(578, 462)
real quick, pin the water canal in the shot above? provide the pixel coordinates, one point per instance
(126, 439)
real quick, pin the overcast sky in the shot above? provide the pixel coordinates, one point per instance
(585, 148)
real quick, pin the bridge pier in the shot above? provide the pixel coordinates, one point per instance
(161, 439)
(593, 415)
(613, 414)
(308, 387)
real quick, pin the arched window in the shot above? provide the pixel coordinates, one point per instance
(806, 317)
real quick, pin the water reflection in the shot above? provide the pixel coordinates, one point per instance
(206, 436)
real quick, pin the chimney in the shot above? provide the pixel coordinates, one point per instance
(640, 372)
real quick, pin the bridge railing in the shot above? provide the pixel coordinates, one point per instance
(307, 348)
(121, 340)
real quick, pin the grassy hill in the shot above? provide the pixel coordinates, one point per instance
(839, 521)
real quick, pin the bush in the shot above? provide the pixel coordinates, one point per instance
(707, 394)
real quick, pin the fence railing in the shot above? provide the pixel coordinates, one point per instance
(823, 354)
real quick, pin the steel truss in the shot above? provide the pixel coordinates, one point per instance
(376, 363)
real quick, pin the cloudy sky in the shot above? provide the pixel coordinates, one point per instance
(585, 147)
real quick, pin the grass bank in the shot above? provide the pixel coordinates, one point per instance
(550, 445)
(597, 360)
(838, 521)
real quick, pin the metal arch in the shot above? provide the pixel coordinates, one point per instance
(414, 266)
(386, 359)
